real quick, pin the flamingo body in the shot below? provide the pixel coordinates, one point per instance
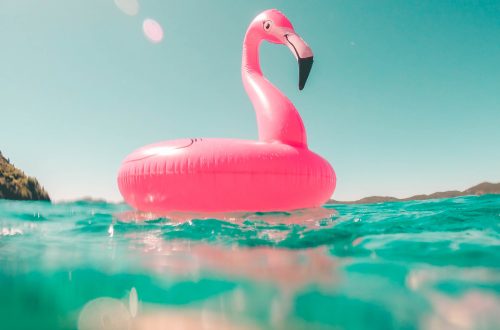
(213, 175)
(276, 173)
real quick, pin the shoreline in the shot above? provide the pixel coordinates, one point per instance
(483, 188)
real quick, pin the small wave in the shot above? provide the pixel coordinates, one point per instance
(423, 264)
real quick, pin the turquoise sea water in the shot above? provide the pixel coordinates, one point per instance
(409, 265)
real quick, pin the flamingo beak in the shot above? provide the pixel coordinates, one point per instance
(304, 56)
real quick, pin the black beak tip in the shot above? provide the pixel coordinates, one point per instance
(305, 65)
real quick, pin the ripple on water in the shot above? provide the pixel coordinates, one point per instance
(423, 264)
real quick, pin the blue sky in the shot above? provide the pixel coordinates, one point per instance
(403, 97)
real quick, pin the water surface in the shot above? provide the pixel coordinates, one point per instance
(402, 265)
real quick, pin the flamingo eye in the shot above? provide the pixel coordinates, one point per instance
(267, 25)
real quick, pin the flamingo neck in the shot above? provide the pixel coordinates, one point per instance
(277, 118)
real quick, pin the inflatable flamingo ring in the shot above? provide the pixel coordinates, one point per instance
(276, 173)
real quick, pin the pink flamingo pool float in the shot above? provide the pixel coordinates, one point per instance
(276, 173)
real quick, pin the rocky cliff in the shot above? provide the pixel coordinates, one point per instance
(14, 184)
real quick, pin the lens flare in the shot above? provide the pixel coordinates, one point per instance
(129, 7)
(104, 313)
(152, 30)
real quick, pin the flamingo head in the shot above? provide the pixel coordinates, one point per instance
(273, 26)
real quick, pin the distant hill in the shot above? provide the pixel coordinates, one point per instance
(14, 184)
(480, 189)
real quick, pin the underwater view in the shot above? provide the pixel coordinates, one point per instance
(431, 264)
